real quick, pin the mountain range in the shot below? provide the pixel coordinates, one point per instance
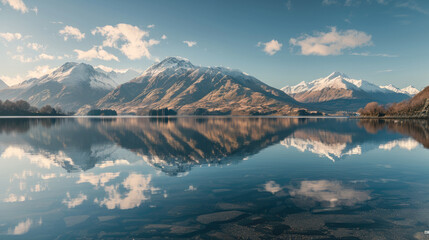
(177, 84)
(340, 92)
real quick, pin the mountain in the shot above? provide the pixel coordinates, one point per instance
(340, 92)
(3, 85)
(69, 87)
(410, 90)
(177, 84)
(119, 76)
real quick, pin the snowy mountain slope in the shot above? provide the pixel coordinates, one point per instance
(69, 87)
(339, 92)
(119, 76)
(410, 90)
(335, 80)
(176, 83)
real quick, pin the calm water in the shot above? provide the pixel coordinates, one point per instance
(213, 178)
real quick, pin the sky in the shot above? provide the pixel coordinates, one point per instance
(280, 42)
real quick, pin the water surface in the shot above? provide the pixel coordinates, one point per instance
(213, 178)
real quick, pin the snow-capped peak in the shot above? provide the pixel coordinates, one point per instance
(336, 80)
(410, 90)
(72, 73)
(170, 63)
(392, 88)
(337, 74)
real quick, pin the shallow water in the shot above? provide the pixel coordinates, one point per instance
(254, 178)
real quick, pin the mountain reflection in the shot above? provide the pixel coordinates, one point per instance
(175, 145)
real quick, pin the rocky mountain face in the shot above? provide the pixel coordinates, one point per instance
(69, 87)
(338, 92)
(176, 83)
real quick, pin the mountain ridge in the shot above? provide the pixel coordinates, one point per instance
(338, 91)
(176, 83)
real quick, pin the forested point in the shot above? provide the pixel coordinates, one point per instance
(23, 108)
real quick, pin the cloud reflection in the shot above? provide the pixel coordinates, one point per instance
(408, 144)
(331, 192)
(23, 227)
(97, 180)
(74, 202)
(272, 187)
(137, 185)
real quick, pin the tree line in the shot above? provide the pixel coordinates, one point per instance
(23, 108)
(409, 107)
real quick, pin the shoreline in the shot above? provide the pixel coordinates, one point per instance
(394, 117)
(176, 116)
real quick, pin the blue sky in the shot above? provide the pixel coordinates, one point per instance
(281, 42)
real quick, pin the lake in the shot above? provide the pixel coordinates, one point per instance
(214, 178)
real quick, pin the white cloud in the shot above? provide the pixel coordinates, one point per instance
(23, 59)
(190, 43)
(110, 69)
(127, 38)
(42, 56)
(40, 71)
(329, 2)
(151, 26)
(385, 71)
(95, 53)
(35, 46)
(18, 5)
(163, 37)
(412, 5)
(19, 49)
(74, 202)
(271, 47)
(45, 56)
(331, 43)
(37, 72)
(72, 32)
(10, 36)
(272, 187)
(367, 54)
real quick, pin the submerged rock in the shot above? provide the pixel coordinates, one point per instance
(219, 217)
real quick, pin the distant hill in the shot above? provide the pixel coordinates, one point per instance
(338, 92)
(69, 87)
(175, 83)
(416, 107)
